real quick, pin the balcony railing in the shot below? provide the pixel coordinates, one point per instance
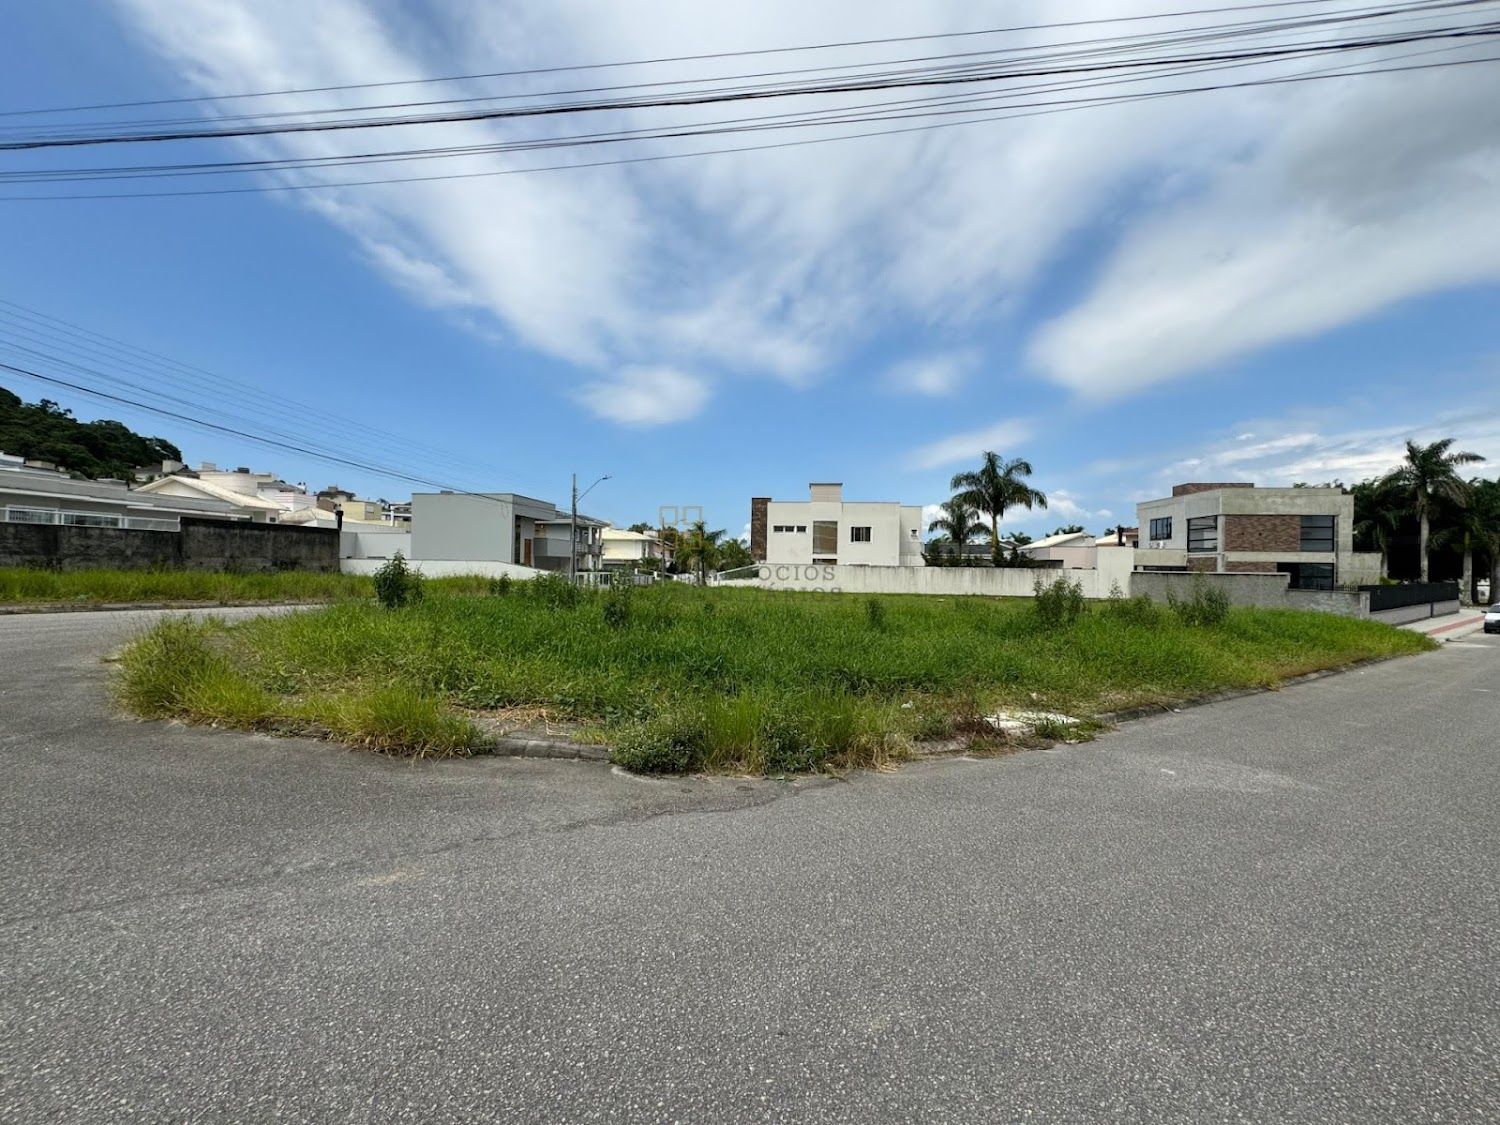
(67, 518)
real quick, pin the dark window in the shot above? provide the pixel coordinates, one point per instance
(1203, 533)
(1317, 533)
(1308, 576)
(802, 529)
(825, 537)
(859, 535)
(1161, 527)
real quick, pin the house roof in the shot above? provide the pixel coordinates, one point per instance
(1070, 539)
(216, 492)
(623, 533)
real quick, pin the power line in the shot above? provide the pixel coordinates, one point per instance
(670, 59)
(1095, 46)
(977, 118)
(713, 98)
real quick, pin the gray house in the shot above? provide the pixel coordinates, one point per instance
(499, 527)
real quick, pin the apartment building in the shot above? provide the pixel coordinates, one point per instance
(826, 529)
(1235, 527)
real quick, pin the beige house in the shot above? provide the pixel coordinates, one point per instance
(620, 549)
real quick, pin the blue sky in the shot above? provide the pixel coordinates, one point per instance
(1272, 284)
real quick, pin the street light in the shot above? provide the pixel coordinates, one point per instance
(573, 525)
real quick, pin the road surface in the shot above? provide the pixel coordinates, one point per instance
(1281, 908)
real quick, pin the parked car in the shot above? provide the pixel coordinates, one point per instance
(1492, 619)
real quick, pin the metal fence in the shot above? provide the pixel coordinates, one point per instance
(67, 518)
(1410, 593)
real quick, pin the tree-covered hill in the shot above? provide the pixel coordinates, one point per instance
(43, 431)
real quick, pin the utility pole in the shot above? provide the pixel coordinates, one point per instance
(573, 525)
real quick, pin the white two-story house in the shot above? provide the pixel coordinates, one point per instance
(826, 529)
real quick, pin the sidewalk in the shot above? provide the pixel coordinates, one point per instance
(1449, 627)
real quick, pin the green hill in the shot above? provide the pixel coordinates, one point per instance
(44, 431)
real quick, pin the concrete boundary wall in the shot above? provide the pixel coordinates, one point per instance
(988, 582)
(201, 544)
(444, 568)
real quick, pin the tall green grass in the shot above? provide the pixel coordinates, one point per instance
(21, 585)
(725, 680)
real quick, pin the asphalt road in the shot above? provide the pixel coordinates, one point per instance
(1282, 908)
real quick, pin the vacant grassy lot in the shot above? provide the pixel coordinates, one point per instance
(730, 680)
(23, 585)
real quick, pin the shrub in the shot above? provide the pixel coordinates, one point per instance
(1058, 604)
(875, 613)
(555, 591)
(785, 747)
(396, 584)
(668, 744)
(617, 607)
(1139, 610)
(500, 587)
(1206, 605)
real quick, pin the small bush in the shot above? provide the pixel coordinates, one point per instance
(617, 608)
(555, 591)
(396, 584)
(500, 587)
(875, 614)
(1058, 604)
(666, 745)
(1139, 610)
(785, 748)
(1205, 606)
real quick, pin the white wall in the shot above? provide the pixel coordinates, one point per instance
(443, 568)
(1004, 582)
(891, 542)
(374, 543)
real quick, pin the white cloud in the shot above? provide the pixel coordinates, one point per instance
(1279, 213)
(968, 446)
(939, 374)
(646, 396)
(1348, 198)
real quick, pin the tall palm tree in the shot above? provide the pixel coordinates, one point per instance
(1475, 529)
(1429, 475)
(698, 548)
(959, 524)
(1378, 512)
(995, 487)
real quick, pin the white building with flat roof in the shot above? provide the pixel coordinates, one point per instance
(826, 529)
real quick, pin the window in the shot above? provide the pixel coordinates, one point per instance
(825, 537)
(1317, 533)
(1308, 576)
(1203, 533)
(801, 529)
(859, 535)
(1161, 528)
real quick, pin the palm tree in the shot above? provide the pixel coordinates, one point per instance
(1475, 529)
(995, 487)
(1378, 512)
(1429, 475)
(959, 525)
(698, 548)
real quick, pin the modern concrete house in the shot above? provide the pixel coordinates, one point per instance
(34, 493)
(499, 527)
(1234, 527)
(826, 529)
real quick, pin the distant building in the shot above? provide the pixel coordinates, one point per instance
(1071, 549)
(826, 529)
(35, 492)
(1234, 527)
(621, 549)
(1121, 536)
(260, 497)
(500, 527)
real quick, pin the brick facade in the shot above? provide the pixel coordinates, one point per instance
(760, 506)
(1250, 567)
(1205, 563)
(1207, 486)
(1262, 533)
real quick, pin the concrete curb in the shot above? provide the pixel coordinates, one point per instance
(1130, 713)
(121, 607)
(518, 747)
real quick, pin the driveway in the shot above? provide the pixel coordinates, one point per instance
(1279, 908)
